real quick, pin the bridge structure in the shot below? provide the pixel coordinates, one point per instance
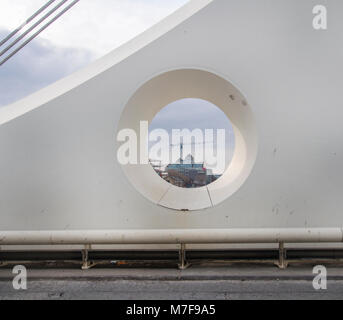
(262, 63)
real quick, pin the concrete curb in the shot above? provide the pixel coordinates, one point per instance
(192, 274)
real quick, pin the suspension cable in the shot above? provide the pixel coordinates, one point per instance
(32, 27)
(13, 33)
(40, 30)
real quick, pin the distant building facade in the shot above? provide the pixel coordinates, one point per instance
(188, 174)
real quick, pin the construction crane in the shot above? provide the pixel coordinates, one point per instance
(192, 143)
(65, 5)
(156, 164)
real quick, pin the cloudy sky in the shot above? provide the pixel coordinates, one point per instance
(89, 30)
(196, 114)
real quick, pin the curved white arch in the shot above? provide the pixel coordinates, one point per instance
(43, 96)
(174, 85)
(58, 168)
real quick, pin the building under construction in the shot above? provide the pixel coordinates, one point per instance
(186, 173)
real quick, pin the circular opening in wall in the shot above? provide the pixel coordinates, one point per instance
(191, 143)
(173, 87)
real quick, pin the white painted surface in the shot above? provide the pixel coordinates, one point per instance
(174, 85)
(172, 236)
(58, 166)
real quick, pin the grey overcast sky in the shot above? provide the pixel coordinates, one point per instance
(86, 32)
(196, 114)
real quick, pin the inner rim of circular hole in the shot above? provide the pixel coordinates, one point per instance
(199, 130)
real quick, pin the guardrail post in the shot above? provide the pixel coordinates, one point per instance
(2, 263)
(182, 258)
(86, 264)
(282, 263)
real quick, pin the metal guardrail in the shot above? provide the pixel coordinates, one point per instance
(172, 236)
(89, 257)
(87, 238)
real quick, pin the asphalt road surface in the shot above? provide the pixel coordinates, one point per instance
(204, 283)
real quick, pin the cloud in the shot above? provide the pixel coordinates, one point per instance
(96, 25)
(36, 66)
(196, 114)
(86, 32)
(191, 114)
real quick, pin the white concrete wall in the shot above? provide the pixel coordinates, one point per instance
(58, 167)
